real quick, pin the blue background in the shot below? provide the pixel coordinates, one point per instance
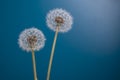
(89, 51)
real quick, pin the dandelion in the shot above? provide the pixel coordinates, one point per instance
(58, 20)
(32, 40)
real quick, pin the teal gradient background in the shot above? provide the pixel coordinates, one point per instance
(89, 51)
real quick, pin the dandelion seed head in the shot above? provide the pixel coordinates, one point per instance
(59, 18)
(31, 38)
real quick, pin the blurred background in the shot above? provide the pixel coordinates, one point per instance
(89, 51)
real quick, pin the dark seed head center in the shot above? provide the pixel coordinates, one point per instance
(59, 20)
(32, 40)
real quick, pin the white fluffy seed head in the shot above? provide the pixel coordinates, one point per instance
(31, 38)
(67, 20)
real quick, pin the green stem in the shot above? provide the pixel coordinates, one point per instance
(52, 53)
(34, 65)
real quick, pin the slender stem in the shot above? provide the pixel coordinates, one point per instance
(52, 53)
(34, 65)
